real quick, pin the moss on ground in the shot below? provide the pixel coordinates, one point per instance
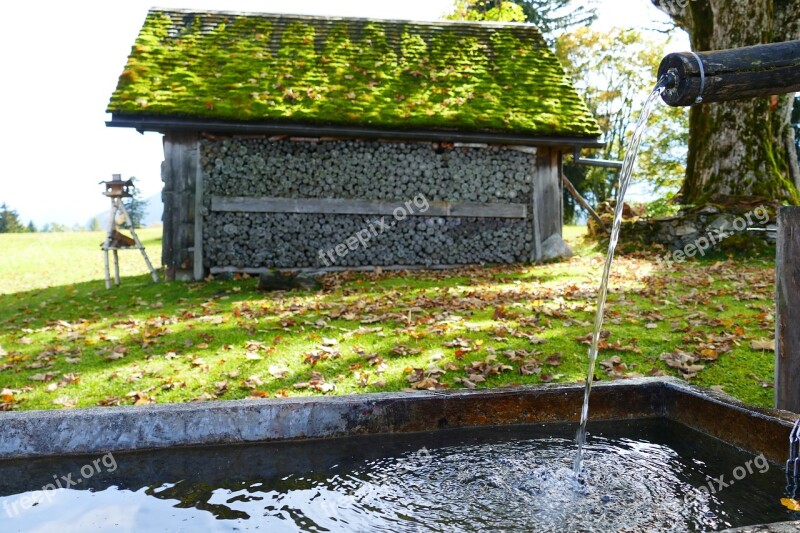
(78, 344)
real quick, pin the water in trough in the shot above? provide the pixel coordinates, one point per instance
(640, 475)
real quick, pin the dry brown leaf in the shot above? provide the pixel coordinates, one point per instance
(277, 371)
(763, 345)
(66, 402)
(42, 377)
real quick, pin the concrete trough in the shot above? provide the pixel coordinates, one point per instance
(127, 429)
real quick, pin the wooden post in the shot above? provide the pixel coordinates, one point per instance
(178, 172)
(116, 267)
(198, 269)
(787, 314)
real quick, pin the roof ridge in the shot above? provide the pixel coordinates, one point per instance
(301, 16)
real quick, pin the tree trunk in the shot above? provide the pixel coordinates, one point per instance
(744, 148)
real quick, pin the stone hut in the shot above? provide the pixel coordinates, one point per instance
(303, 142)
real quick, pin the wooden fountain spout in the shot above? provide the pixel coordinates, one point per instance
(749, 72)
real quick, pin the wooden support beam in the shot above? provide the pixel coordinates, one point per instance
(583, 203)
(336, 206)
(787, 314)
(197, 252)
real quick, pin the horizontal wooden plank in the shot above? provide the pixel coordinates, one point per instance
(245, 204)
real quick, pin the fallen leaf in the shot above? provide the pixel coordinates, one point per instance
(205, 397)
(793, 505)
(252, 382)
(110, 401)
(467, 383)
(278, 371)
(66, 402)
(221, 387)
(553, 360)
(708, 354)
(763, 345)
(42, 377)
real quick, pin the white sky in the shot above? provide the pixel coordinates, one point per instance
(60, 62)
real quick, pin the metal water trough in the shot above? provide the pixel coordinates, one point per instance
(120, 429)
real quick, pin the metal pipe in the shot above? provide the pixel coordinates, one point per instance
(605, 163)
(749, 72)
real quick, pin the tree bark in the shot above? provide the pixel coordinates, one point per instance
(744, 148)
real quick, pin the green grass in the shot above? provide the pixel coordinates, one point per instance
(42, 260)
(178, 342)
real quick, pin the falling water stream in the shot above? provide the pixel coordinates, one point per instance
(622, 186)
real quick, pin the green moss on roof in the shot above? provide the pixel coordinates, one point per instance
(277, 68)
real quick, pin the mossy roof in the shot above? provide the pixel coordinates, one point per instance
(249, 67)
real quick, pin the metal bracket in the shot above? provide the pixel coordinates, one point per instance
(699, 99)
(793, 464)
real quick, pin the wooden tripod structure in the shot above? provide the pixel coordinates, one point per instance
(117, 190)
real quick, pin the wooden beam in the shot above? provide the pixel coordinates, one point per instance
(178, 173)
(583, 203)
(198, 219)
(337, 206)
(787, 314)
(547, 198)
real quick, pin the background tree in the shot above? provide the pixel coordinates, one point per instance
(32, 227)
(94, 225)
(136, 207)
(9, 220)
(550, 16)
(745, 148)
(614, 72)
(796, 124)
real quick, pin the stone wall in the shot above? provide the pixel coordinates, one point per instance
(364, 170)
(713, 227)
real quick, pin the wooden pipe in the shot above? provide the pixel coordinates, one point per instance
(753, 71)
